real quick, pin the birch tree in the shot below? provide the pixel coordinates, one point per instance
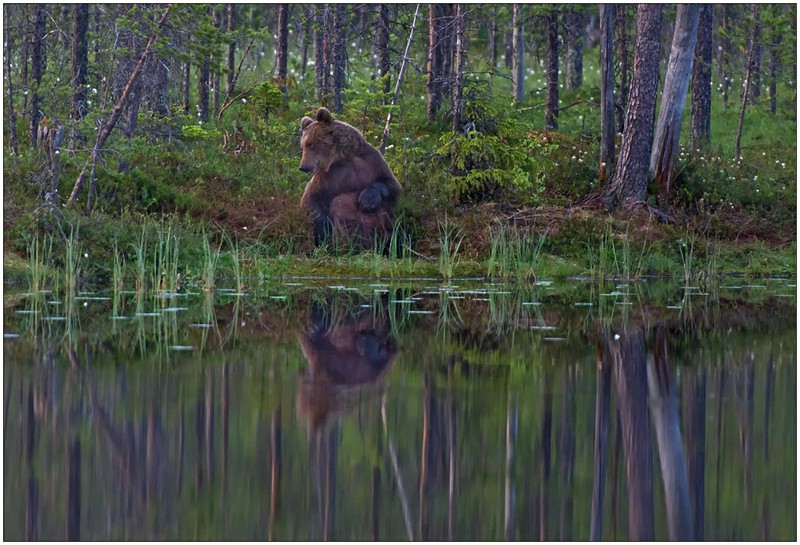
(673, 96)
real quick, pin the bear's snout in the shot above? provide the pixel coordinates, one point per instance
(306, 168)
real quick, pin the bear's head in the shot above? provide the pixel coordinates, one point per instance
(325, 141)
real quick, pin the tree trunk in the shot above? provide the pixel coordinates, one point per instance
(80, 60)
(230, 24)
(203, 77)
(12, 118)
(574, 31)
(746, 86)
(551, 102)
(607, 134)
(37, 69)
(629, 184)
(214, 82)
(758, 54)
(459, 69)
(382, 43)
(308, 38)
(726, 51)
(518, 56)
(673, 95)
(508, 44)
(774, 66)
(339, 59)
(435, 54)
(623, 56)
(321, 57)
(187, 72)
(282, 46)
(493, 39)
(700, 125)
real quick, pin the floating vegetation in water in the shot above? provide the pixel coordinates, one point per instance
(10, 335)
(181, 348)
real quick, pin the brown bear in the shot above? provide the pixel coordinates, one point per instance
(352, 188)
(347, 356)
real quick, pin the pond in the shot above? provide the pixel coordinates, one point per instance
(359, 410)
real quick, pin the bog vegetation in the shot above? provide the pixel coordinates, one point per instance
(151, 146)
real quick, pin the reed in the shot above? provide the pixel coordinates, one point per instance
(512, 254)
(40, 251)
(118, 273)
(140, 262)
(211, 255)
(164, 274)
(72, 261)
(450, 239)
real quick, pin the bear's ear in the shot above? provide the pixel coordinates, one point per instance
(324, 116)
(305, 122)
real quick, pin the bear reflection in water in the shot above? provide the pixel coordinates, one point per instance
(346, 355)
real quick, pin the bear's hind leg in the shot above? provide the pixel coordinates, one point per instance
(372, 197)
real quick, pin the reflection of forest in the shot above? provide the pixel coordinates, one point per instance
(367, 429)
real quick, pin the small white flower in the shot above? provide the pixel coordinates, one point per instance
(86, 255)
(244, 101)
(94, 90)
(616, 336)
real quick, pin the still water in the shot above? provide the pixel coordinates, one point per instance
(364, 411)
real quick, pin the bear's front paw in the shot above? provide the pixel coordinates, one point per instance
(371, 198)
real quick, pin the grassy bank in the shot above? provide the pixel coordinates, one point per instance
(197, 210)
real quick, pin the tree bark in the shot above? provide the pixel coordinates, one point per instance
(435, 59)
(339, 59)
(623, 56)
(518, 56)
(80, 60)
(551, 106)
(38, 63)
(673, 95)
(758, 54)
(382, 44)
(700, 125)
(629, 184)
(774, 67)
(607, 134)
(321, 45)
(203, 77)
(214, 82)
(493, 39)
(282, 47)
(459, 69)
(726, 51)
(230, 24)
(12, 118)
(185, 86)
(746, 86)
(574, 30)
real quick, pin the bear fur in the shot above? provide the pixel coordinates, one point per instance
(352, 190)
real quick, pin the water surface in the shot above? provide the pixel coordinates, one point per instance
(364, 411)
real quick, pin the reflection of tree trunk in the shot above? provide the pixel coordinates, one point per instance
(664, 410)
(511, 444)
(544, 449)
(376, 489)
(602, 399)
(330, 481)
(275, 471)
(451, 463)
(567, 458)
(746, 425)
(32, 501)
(627, 356)
(694, 394)
(74, 492)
